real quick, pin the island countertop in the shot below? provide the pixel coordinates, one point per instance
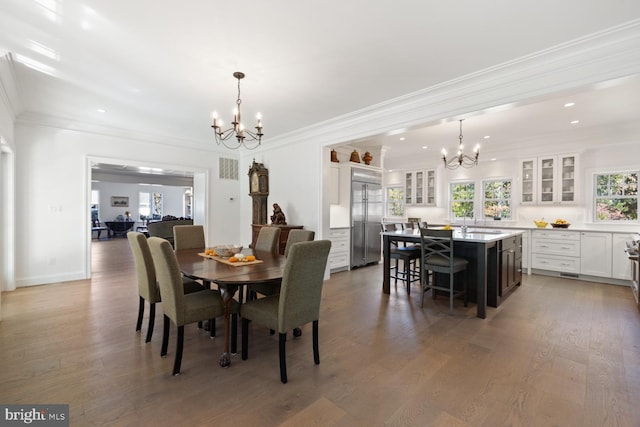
(473, 234)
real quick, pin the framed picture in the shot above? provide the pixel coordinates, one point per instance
(120, 201)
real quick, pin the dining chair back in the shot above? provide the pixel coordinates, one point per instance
(298, 302)
(297, 236)
(147, 284)
(178, 307)
(268, 239)
(188, 237)
(437, 256)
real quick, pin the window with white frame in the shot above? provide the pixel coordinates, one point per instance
(462, 199)
(395, 201)
(616, 196)
(95, 205)
(497, 199)
(144, 206)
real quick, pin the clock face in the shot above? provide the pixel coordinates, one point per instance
(255, 184)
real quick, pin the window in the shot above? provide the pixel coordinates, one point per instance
(95, 205)
(395, 201)
(144, 206)
(616, 197)
(497, 199)
(462, 195)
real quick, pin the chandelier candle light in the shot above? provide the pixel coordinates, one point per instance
(461, 159)
(242, 135)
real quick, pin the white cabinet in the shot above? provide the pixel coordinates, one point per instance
(555, 250)
(334, 185)
(414, 188)
(556, 179)
(431, 187)
(620, 264)
(595, 254)
(525, 250)
(420, 187)
(549, 180)
(339, 253)
(528, 181)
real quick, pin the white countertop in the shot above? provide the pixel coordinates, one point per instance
(473, 234)
(510, 225)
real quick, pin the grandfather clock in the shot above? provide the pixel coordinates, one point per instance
(259, 191)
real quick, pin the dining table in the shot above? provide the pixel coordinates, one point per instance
(230, 277)
(479, 246)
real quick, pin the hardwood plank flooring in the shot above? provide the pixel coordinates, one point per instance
(557, 352)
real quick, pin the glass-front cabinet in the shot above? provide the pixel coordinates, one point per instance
(550, 179)
(431, 187)
(528, 181)
(419, 187)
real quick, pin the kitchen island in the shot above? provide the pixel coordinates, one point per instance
(480, 246)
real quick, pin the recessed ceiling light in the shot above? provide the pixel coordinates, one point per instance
(575, 122)
(101, 110)
(569, 104)
(487, 136)
(424, 147)
(493, 159)
(402, 138)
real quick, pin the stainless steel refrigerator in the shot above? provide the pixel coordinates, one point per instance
(366, 216)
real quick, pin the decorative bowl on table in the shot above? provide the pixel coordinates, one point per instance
(560, 223)
(226, 251)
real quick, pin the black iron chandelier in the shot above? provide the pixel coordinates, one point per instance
(461, 159)
(245, 137)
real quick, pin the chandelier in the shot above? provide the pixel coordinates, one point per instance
(461, 159)
(237, 129)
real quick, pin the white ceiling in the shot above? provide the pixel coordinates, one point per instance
(161, 67)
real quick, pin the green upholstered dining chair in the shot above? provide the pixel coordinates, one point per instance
(297, 236)
(268, 239)
(188, 237)
(147, 284)
(297, 303)
(437, 256)
(191, 237)
(178, 307)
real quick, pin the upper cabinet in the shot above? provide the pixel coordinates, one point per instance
(528, 181)
(420, 187)
(549, 180)
(431, 187)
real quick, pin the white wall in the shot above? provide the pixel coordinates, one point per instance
(52, 196)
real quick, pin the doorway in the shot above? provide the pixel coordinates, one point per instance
(129, 175)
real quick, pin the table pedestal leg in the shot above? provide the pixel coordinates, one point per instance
(227, 295)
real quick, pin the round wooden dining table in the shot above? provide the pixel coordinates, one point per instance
(230, 278)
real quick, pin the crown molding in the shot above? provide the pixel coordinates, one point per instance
(589, 60)
(63, 124)
(8, 86)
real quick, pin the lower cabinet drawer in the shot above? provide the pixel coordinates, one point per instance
(556, 247)
(556, 263)
(338, 260)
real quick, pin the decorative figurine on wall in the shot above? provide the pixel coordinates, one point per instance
(278, 217)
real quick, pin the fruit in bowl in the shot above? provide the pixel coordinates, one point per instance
(560, 223)
(226, 251)
(541, 223)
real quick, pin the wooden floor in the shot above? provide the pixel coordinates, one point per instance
(558, 352)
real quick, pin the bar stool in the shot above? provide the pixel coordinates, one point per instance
(408, 254)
